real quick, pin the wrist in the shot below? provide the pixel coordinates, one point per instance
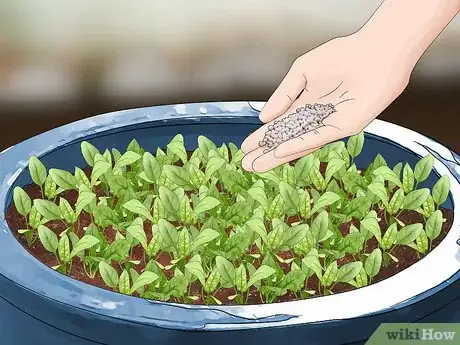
(404, 29)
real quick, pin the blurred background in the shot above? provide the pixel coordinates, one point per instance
(61, 61)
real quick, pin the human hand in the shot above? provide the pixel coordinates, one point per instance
(352, 74)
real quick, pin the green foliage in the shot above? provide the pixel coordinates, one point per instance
(196, 222)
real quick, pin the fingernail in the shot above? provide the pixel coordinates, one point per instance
(259, 167)
(247, 164)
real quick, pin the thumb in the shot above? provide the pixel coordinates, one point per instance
(287, 92)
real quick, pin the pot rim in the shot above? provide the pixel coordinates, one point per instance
(353, 304)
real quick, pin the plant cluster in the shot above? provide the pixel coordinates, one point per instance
(224, 228)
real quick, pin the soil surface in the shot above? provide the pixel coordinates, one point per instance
(406, 256)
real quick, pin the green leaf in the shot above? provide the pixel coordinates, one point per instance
(294, 280)
(84, 199)
(351, 243)
(128, 158)
(145, 278)
(183, 243)
(213, 165)
(373, 263)
(295, 234)
(50, 188)
(37, 171)
(320, 225)
(155, 243)
(101, 166)
(86, 242)
(47, 209)
(135, 147)
(169, 199)
(396, 202)
(387, 174)
(212, 281)
(258, 194)
(355, 144)
(168, 232)
(63, 179)
(176, 146)
(205, 145)
(275, 237)
(48, 238)
(117, 250)
(105, 216)
(371, 224)
(186, 215)
(206, 204)
(67, 211)
(152, 167)
(89, 151)
(331, 274)
(311, 261)
(389, 238)
(34, 218)
(441, 190)
(304, 204)
(226, 270)
(349, 271)
(328, 198)
(205, 236)
(429, 206)
(158, 210)
(408, 178)
(81, 179)
(136, 207)
(433, 225)
(263, 272)
(195, 268)
(124, 283)
(109, 274)
(333, 166)
(408, 234)
(415, 199)
(288, 174)
(302, 168)
(422, 242)
(177, 174)
(276, 208)
(257, 225)
(289, 195)
(136, 230)
(423, 168)
(235, 181)
(64, 249)
(240, 279)
(317, 178)
(22, 201)
(380, 191)
(361, 278)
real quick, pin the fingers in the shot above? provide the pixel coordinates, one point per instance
(257, 161)
(316, 138)
(252, 142)
(290, 88)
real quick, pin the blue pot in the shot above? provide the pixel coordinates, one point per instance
(41, 306)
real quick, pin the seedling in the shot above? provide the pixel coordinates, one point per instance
(194, 227)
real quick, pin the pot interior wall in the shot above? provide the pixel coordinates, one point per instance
(156, 134)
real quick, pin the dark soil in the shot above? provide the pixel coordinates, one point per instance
(406, 255)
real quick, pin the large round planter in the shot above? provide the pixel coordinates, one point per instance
(41, 306)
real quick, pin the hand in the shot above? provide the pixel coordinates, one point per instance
(350, 72)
